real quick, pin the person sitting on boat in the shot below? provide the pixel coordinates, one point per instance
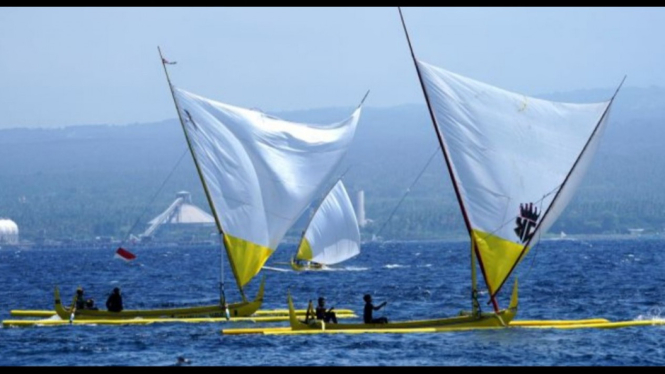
(323, 314)
(298, 261)
(80, 300)
(369, 307)
(182, 361)
(114, 302)
(90, 304)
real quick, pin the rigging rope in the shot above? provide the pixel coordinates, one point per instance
(138, 219)
(436, 151)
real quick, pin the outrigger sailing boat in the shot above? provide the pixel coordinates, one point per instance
(259, 174)
(332, 235)
(515, 163)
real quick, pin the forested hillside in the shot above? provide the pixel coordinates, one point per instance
(85, 181)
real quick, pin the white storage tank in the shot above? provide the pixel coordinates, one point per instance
(360, 208)
(8, 231)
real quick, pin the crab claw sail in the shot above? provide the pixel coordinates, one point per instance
(261, 172)
(516, 161)
(332, 236)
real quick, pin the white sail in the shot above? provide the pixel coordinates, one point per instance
(332, 235)
(510, 156)
(261, 172)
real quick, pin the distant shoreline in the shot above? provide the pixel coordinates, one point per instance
(455, 239)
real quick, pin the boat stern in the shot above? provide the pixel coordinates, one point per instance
(293, 318)
(60, 309)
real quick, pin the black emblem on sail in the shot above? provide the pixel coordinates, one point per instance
(526, 222)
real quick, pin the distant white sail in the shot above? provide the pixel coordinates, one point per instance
(332, 235)
(511, 155)
(261, 172)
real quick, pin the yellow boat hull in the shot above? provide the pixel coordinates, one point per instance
(242, 309)
(309, 266)
(596, 323)
(482, 320)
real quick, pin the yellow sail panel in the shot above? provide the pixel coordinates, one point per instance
(304, 251)
(498, 257)
(246, 258)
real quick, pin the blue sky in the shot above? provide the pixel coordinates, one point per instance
(73, 66)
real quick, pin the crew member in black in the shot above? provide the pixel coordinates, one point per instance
(369, 307)
(323, 314)
(80, 300)
(114, 302)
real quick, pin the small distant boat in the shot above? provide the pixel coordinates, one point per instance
(332, 235)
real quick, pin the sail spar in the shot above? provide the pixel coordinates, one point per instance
(332, 236)
(261, 172)
(517, 161)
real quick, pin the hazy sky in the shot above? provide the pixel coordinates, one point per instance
(69, 66)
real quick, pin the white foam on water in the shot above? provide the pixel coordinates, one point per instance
(347, 268)
(282, 270)
(654, 314)
(395, 266)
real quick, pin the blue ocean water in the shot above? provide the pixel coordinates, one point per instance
(560, 279)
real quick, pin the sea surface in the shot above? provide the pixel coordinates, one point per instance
(559, 279)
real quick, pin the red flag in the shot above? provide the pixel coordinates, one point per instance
(124, 254)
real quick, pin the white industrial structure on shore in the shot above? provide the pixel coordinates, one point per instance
(636, 231)
(181, 211)
(8, 231)
(360, 209)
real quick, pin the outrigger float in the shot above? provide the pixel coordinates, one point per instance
(54, 321)
(596, 323)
